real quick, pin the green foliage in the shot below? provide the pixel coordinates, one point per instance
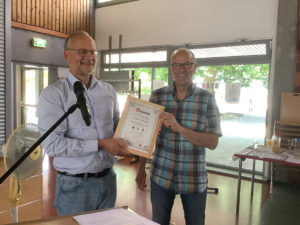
(161, 74)
(138, 71)
(244, 74)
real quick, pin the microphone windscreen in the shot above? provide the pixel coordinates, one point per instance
(78, 87)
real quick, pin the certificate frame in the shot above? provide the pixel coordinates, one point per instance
(139, 125)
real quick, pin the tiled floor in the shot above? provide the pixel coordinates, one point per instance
(221, 207)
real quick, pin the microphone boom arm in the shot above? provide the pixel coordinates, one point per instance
(38, 142)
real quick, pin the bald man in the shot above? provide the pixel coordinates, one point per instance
(83, 155)
(191, 124)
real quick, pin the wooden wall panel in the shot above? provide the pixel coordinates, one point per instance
(53, 7)
(19, 11)
(14, 10)
(50, 15)
(37, 13)
(28, 11)
(80, 15)
(84, 14)
(62, 16)
(61, 13)
(88, 16)
(57, 17)
(24, 11)
(46, 14)
(76, 21)
(32, 13)
(42, 14)
(64, 30)
(72, 16)
(69, 17)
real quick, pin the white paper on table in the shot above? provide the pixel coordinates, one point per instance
(119, 216)
(268, 155)
(263, 152)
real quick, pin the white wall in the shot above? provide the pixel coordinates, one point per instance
(172, 22)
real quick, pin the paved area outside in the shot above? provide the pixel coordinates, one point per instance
(239, 131)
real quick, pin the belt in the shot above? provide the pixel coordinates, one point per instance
(103, 173)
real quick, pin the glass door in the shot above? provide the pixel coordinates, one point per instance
(32, 83)
(241, 94)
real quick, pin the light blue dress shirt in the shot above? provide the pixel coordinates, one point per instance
(74, 145)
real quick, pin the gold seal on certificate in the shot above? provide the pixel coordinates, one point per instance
(139, 125)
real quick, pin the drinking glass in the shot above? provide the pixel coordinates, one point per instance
(291, 143)
(276, 140)
(269, 143)
(255, 143)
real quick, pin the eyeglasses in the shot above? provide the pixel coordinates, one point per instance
(186, 65)
(84, 52)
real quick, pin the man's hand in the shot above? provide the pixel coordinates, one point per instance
(141, 175)
(170, 121)
(141, 180)
(114, 146)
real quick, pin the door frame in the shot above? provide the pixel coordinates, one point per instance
(20, 94)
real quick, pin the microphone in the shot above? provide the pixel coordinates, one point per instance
(81, 102)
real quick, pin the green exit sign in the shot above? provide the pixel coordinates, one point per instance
(41, 43)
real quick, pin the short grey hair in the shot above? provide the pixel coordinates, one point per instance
(184, 50)
(73, 35)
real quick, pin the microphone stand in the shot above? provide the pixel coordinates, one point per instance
(38, 142)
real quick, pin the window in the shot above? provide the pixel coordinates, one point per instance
(103, 3)
(227, 51)
(241, 94)
(154, 56)
(239, 67)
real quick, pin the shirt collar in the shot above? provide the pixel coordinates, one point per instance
(190, 91)
(72, 79)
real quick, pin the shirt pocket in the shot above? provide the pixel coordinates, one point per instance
(197, 123)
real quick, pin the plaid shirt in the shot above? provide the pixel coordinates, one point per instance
(178, 164)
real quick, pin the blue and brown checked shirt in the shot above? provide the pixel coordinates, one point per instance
(178, 164)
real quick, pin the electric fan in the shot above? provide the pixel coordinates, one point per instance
(18, 143)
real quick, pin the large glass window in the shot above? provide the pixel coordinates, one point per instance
(135, 57)
(229, 51)
(237, 73)
(241, 94)
(160, 78)
(151, 79)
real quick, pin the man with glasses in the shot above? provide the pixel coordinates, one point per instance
(191, 123)
(83, 155)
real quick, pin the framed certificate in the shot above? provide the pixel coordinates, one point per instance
(139, 125)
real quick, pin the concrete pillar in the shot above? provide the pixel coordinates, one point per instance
(283, 64)
(283, 58)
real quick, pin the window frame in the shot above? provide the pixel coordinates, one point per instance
(231, 60)
(7, 104)
(112, 2)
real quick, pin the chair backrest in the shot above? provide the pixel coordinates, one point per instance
(287, 130)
